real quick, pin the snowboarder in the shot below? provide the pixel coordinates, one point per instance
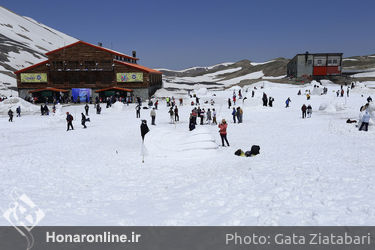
(234, 114)
(153, 116)
(287, 102)
(214, 116)
(138, 111)
(303, 108)
(365, 121)
(18, 110)
(223, 132)
(83, 120)
(69, 120)
(265, 99)
(176, 117)
(10, 113)
(309, 111)
(87, 109)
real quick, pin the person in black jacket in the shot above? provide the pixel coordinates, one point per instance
(83, 120)
(265, 99)
(138, 111)
(10, 113)
(87, 109)
(303, 108)
(69, 120)
(144, 129)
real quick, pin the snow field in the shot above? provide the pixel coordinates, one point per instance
(315, 171)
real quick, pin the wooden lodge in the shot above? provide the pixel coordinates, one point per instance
(87, 68)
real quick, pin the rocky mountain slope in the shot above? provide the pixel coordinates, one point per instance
(23, 42)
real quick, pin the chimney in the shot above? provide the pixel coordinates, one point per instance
(134, 53)
(100, 44)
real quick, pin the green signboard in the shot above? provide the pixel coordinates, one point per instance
(129, 77)
(33, 77)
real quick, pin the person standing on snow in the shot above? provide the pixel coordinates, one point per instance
(287, 102)
(10, 113)
(223, 132)
(209, 117)
(87, 109)
(83, 120)
(171, 113)
(18, 110)
(234, 114)
(365, 121)
(309, 111)
(265, 99)
(270, 101)
(214, 116)
(153, 116)
(176, 117)
(229, 103)
(238, 114)
(138, 111)
(252, 93)
(303, 108)
(69, 120)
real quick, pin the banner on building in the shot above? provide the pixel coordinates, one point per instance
(81, 95)
(129, 77)
(33, 77)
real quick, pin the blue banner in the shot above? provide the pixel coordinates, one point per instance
(83, 94)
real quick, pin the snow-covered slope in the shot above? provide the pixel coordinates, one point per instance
(23, 42)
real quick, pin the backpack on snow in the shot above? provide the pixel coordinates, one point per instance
(255, 150)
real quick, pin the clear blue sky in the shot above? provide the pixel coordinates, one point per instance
(178, 34)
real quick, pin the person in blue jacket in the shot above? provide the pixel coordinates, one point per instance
(234, 114)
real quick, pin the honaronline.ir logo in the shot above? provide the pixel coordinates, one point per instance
(23, 214)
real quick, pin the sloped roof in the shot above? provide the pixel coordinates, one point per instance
(30, 67)
(48, 89)
(115, 88)
(94, 46)
(137, 66)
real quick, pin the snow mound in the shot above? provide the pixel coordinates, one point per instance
(317, 91)
(332, 108)
(119, 106)
(201, 91)
(14, 102)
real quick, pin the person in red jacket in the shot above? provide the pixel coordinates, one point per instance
(223, 132)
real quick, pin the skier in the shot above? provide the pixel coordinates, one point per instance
(265, 99)
(229, 103)
(153, 116)
(176, 117)
(309, 111)
(214, 116)
(223, 132)
(234, 114)
(365, 121)
(287, 102)
(10, 113)
(171, 113)
(138, 111)
(18, 110)
(69, 120)
(87, 109)
(83, 120)
(303, 108)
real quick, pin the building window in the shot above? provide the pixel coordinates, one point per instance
(309, 62)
